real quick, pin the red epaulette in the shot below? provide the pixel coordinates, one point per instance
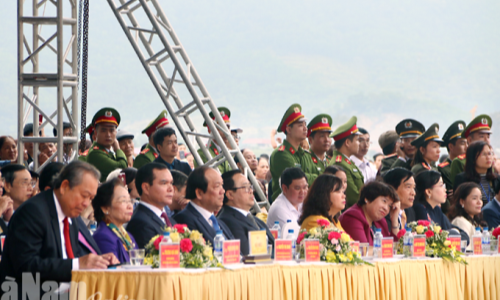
(96, 148)
(347, 160)
(216, 151)
(461, 156)
(314, 160)
(444, 164)
(85, 153)
(426, 166)
(391, 155)
(281, 148)
(155, 155)
(338, 158)
(291, 150)
(145, 151)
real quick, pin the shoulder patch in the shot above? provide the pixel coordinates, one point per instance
(314, 160)
(281, 148)
(461, 156)
(145, 151)
(390, 155)
(444, 164)
(96, 148)
(426, 166)
(85, 153)
(155, 155)
(216, 151)
(338, 158)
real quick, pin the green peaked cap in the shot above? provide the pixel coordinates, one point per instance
(431, 134)
(225, 113)
(106, 115)
(453, 132)
(480, 123)
(292, 114)
(346, 129)
(321, 122)
(160, 122)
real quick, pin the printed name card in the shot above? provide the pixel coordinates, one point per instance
(418, 246)
(274, 232)
(231, 252)
(170, 256)
(387, 247)
(311, 250)
(355, 246)
(257, 241)
(455, 241)
(283, 250)
(478, 246)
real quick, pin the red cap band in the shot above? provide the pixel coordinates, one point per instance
(105, 119)
(347, 133)
(158, 124)
(478, 126)
(291, 118)
(319, 126)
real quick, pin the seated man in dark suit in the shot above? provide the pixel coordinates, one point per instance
(154, 185)
(491, 211)
(204, 189)
(238, 200)
(43, 235)
(166, 144)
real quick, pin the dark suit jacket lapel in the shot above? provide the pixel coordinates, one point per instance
(54, 220)
(153, 216)
(239, 216)
(201, 220)
(86, 234)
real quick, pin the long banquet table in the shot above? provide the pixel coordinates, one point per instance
(387, 279)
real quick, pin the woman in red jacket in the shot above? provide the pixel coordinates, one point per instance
(376, 200)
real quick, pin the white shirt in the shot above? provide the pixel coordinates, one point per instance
(204, 213)
(282, 210)
(466, 226)
(367, 169)
(154, 209)
(60, 218)
(242, 211)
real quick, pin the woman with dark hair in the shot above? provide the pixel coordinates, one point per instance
(361, 220)
(479, 169)
(428, 150)
(325, 200)
(112, 209)
(8, 149)
(402, 181)
(431, 194)
(466, 213)
(339, 172)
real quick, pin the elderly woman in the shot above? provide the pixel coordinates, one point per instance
(8, 149)
(112, 209)
(361, 220)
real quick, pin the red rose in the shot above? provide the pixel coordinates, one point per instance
(334, 235)
(301, 237)
(157, 242)
(180, 227)
(323, 223)
(186, 245)
(496, 232)
(424, 223)
(429, 233)
(401, 233)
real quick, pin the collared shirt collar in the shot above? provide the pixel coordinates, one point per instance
(498, 201)
(289, 204)
(242, 211)
(358, 162)
(153, 208)
(205, 213)
(60, 213)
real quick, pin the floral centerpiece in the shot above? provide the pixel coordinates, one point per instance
(335, 245)
(495, 233)
(437, 244)
(195, 252)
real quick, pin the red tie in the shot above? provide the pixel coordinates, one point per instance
(67, 241)
(165, 217)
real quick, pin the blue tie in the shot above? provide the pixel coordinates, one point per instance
(215, 224)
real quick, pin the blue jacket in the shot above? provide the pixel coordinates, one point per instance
(491, 214)
(108, 241)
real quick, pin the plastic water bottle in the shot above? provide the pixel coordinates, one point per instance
(92, 228)
(485, 241)
(291, 236)
(218, 241)
(277, 226)
(377, 244)
(407, 243)
(166, 238)
(286, 227)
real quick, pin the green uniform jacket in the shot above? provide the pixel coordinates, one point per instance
(85, 154)
(354, 177)
(318, 163)
(398, 163)
(285, 156)
(106, 162)
(444, 168)
(146, 156)
(387, 163)
(421, 167)
(457, 167)
(224, 167)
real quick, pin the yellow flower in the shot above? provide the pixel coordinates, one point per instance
(168, 229)
(330, 256)
(345, 237)
(175, 237)
(349, 256)
(447, 243)
(420, 229)
(342, 258)
(195, 235)
(207, 251)
(437, 229)
(433, 245)
(313, 231)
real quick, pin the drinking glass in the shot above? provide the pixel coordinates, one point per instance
(136, 257)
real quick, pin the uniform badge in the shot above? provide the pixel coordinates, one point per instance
(108, 114)
(484, 121)
(324, 121)
(444, 164)
(426, 166)
(347, 161)
(315, 160)
(291, 150)
(145, 151)
(437, 130)
(354, 170)
(460, 126)
(338, 158)
(222, 113)
(281, 148)
(85, 153)
(296, 110)
(461, 156)
(155, 155)
(96, 147)
(216, 152)
(408, 124)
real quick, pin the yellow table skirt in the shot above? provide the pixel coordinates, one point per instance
(395, 279)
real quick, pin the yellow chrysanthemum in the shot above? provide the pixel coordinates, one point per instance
(349, 256)
(330, 256)
(447, 243)
(195, 235)
(420, 229)
(208, 252)
(345, 237)
(437, 229)
(175, 237)
(313, 230)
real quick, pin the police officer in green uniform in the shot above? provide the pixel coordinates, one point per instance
(85, 154)
(478, 129)
(408, 131)
(106, 154)
(388, 142)
(214, 149)
(149, 153)
(318, 134)
(428, 151)
(346, 139)
(290, 154)
(456, 145)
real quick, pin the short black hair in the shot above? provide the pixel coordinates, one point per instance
(453, 142)
(9, 172)
(338, 144)
(130, 174)
(28, 129)
(65, 126)
(374, 189)
(73, 172)
(333, 170)
(161, 134)
(263, 155)
(389, 149)
(104, 197)
(145, 174)
(291, 174)
(236, 159)
(376, 155)
(4, 138)
(396, 176)
(196, 180)
(48, 174)
(179, 179)
(362, 130)
(228, 181)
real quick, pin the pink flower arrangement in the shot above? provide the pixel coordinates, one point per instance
(429, 233)
(401, 233)
(423, 223)
(186, 245)
(180, 227)
(496, 232)
(301, 237)
(157, 242)
(334, 235)
(323, 223)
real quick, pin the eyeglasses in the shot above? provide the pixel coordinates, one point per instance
(125, 201)
(28, 183)
(248, 188)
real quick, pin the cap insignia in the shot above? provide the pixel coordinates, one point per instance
(484, 121)
(296, 110)
(222, 113)
(460, 126)
(108, 114)
(324, 121)
(408, 124)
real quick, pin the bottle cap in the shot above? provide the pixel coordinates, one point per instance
(219, 231)
(485, 229)
(378, 230)
(277, 222)
(166, 233)
(289, 221)
(290, 230)
(478, 229)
